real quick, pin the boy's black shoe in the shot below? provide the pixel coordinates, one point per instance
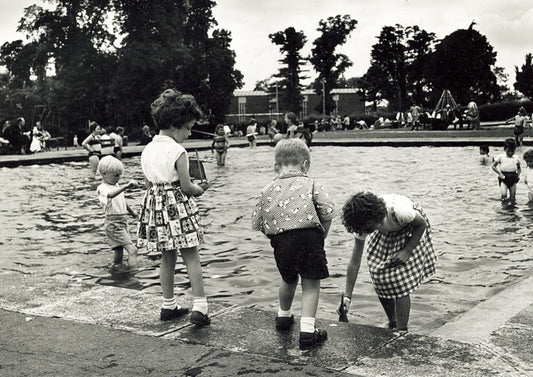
(284, 323)
(168, 314)
(200, 319)
(309, 339)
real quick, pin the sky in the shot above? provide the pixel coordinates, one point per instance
(507, 24)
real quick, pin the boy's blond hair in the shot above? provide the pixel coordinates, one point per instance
(110, 164)
(291, 152)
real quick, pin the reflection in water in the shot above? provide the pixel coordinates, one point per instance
(52, 225)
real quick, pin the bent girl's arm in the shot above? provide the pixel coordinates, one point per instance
(187, 186)
(353, 267)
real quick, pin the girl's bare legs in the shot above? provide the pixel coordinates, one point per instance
(403, 308)
(166, 273)
(132, 259)
(512, 192)
(191, 258)
(286, 294)
(503, 191)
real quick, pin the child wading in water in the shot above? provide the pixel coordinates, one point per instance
(111, 196)
(296, 213)
(400, 252)
(485, 158)
(507, 166)
(220, 144)
(169, 219)
(528, 175)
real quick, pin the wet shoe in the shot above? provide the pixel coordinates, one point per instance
(309, 339)
(200, 319)
(284, 323)
(168, 314)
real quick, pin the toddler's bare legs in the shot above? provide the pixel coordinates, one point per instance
(191, 258)
(118, 255)
(286, 294)
(166, 273)
(93, 163)
(132, 251)
(310, 294)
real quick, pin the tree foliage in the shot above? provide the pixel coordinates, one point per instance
(524, 77)
(111, 58)
(330, 65)
(291, 43)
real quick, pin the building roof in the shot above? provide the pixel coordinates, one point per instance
(249, 93)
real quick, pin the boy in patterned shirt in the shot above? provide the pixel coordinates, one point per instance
(296, 213)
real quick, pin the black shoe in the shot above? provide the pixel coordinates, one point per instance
(200, 319)
(284, 323)
(168, 314)
(308, 339)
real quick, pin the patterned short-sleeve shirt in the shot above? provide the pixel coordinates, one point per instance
(292, 201)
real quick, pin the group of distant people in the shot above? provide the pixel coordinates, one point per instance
(17, 139)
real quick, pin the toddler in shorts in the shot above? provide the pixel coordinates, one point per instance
(295, 213)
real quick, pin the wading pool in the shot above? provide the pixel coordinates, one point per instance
(52, 225)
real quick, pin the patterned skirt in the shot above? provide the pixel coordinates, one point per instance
(397, 281)
(168, 219)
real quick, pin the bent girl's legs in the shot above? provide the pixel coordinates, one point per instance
(286, 294)
(403, 308)
(132, 251)
(389, 305)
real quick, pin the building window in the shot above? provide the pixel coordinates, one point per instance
(305, 104)
(242, 108)
(336, 100)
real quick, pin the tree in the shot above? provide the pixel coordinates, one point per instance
(524, 77)
(419, 47)
(290, 42)
(463, 63)
(329, 65)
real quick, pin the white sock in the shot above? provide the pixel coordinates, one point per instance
(169, 303)
(307, 324)
(284, 313)
(199, 304)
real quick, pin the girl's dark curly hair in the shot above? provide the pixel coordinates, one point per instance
(174, 109)
(363, 211)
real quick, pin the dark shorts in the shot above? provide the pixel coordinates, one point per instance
(116, 149)
(300, 252)
(518, 130)
(251, 137)
(510, 179)
(95, 153)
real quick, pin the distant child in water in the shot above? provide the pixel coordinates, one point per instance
(507, 166)
(111, 196)
(295, 213)
(528, 176)
(485, 158)
(220, 145)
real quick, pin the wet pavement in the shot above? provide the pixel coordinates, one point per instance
(62, 326)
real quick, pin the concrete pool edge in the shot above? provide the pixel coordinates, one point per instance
(244, 333)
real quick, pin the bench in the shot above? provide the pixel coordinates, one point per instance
(56, 141)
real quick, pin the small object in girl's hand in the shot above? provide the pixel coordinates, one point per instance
(341, 311)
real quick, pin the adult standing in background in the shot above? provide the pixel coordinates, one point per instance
(472, 114)
(520, 120)
(93, 146)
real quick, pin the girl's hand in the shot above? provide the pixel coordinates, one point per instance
(204, 185)
(346, 303)
(132, 183)
(502, 176)
(400, 257)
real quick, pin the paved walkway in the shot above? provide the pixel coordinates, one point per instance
(52, 326)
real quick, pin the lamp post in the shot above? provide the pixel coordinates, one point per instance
(323, 97)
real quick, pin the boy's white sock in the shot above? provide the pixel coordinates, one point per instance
(307, 324)
(284, 313)
(199, 304)
(169, 303)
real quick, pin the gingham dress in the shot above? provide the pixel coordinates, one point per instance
(397, 281)
(168, 219)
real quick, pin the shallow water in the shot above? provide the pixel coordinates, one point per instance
(52, 225)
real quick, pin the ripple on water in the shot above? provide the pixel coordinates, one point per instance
(52, 224)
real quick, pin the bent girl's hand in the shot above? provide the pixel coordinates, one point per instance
(400, 257)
